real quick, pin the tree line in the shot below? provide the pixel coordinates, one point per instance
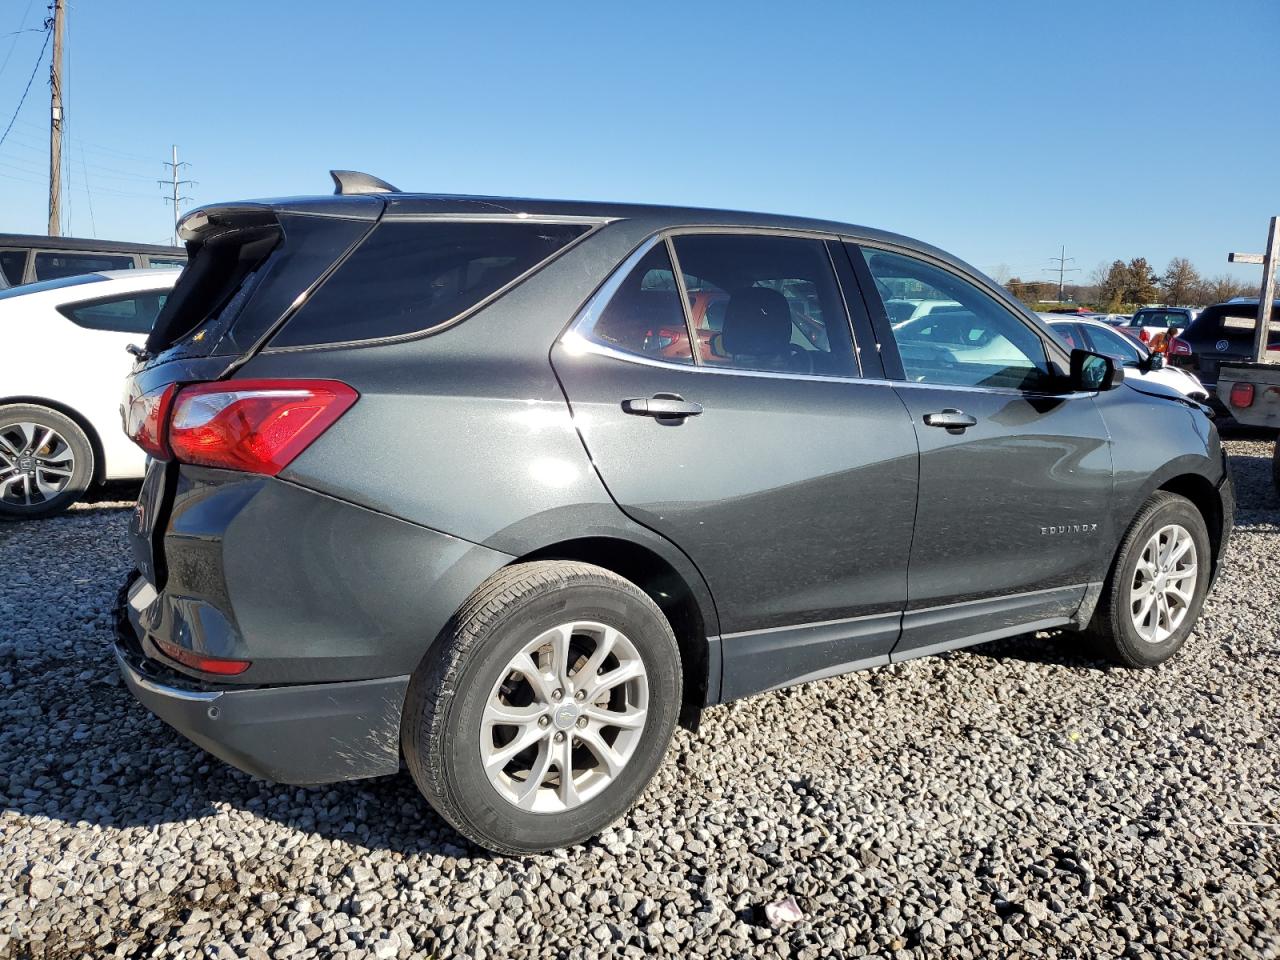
(1122, 287)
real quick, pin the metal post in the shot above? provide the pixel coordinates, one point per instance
(55, 119)
(1267, 295)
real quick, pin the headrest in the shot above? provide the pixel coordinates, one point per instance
(757, 323)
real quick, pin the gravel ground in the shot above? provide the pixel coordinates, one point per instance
(1015, 799)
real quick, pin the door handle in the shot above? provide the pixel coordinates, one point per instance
(662, 406)
(953, 420)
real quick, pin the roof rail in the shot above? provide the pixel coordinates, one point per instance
(349, 182)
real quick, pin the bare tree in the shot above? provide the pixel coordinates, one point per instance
(1180, 282)
(1224, 287)
(1001, 274)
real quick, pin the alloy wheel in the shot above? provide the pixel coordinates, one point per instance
(1164, 583)
(36, 464)
(565, 717)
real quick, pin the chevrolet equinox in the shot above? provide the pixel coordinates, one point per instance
(505, 489)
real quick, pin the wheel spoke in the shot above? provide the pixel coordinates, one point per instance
(48, 435)
(620, 674)
(526, 738)
(1178, 576)
(564, 763)
(527, 795)
(1181, 549)
(603, 648)
(501, 713)
(608, 757)
(524, 665)
(6, 447)
(28, 432)
(632, 719)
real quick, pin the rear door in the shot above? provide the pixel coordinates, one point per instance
(1015, 478)
(754, 442)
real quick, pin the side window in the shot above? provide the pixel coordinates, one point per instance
(411, 276)
(1113, 345)
(51, 265)
(1066, 332)
(135, 314)
(644, 315)
(968, 338)
(159, 262)
(766, 303)
(13, 263)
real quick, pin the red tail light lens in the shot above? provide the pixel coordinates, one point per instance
(145, 417)
(1179, 348)
(258, 426)
(198, 661)
(1242, 395)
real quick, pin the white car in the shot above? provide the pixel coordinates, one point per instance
(1138, 361)
(64, 343)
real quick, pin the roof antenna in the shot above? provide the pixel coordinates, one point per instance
(350, 182)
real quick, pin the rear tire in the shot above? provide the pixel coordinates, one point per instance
(583, 668)
(46, 462)
(1156, 586)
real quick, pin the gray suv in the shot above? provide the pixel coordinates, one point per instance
(504, 489)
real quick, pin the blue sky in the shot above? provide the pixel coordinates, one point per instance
(998, 131)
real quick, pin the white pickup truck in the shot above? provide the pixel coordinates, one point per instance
(1251, 391)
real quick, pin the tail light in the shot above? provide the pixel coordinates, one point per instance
(1242, 395)
(1178, 347)
(663, 337)
(198, 661)
(258, 426)
(145, 417)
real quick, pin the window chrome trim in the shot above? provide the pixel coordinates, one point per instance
(548, 218)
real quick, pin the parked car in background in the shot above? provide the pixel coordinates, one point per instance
(27, 258)
(63, 342)
(1220, 334)
(455, 505)
(1085, 334)
(1154, 325)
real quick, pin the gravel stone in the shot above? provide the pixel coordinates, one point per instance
(1019, 798)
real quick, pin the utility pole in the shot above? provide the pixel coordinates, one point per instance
(177, 185)
(55, 119)
(1266, 296)
(1063, 269)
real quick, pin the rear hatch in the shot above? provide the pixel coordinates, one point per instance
(251, 266)
(1224, 332)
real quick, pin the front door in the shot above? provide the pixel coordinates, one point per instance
(1015, 478)
(742, 430)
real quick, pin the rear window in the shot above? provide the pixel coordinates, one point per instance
(1159, 318)
(50, 265)
(409, 277)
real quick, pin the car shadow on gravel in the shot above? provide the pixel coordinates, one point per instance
(1059, 648)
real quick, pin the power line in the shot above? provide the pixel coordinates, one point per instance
(13, 43)
(27, 89)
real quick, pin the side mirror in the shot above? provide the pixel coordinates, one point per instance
(1155, 361)
(1094, 371)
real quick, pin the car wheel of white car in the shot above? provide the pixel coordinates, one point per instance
(46, 462)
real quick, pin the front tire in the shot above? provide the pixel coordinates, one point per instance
(545, 708)
(46, 462)
(1157, 584)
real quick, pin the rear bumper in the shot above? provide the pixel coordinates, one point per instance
(307, 733)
